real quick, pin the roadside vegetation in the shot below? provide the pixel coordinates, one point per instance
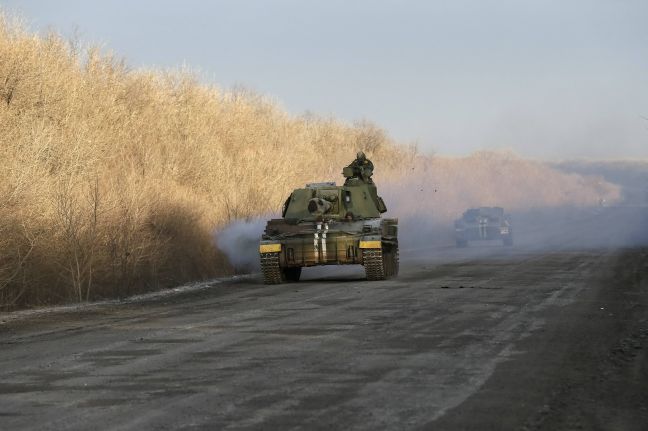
(115, 180)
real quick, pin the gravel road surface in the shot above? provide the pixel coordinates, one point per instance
(545, 335)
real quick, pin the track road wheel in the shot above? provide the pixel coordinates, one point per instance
(374, 264)
(270, 269)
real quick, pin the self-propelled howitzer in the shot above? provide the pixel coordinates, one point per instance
(325, 224)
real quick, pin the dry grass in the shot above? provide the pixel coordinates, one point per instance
(113, 180)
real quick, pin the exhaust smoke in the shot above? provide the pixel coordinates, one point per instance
(240, 242)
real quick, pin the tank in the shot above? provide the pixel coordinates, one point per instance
(327, 224)
(485, 223)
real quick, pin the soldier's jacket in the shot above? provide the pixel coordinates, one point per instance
(363, 168)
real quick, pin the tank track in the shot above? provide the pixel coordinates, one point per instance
(373, 263)
(270, 268)
(396, 261)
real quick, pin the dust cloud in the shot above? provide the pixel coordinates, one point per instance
(554, 206)
(240, 242)
(571, 205)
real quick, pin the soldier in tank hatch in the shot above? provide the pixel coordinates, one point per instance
(362, 167)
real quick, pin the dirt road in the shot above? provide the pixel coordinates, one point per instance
(485, 338)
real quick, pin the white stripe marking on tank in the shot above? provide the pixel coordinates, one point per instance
(482, 227)
(316, 241)
(324, 242)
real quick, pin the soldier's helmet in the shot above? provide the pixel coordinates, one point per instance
(360, 155)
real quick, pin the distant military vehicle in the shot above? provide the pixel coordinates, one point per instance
(325, 224)
(485, 223)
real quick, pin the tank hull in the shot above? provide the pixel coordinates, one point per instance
(372, 243)
(483, 224)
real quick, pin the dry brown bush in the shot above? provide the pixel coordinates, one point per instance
(113, 180)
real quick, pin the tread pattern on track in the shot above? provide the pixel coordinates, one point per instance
(396, 261)
(270, 268)
(373, 263)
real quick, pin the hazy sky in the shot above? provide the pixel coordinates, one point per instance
(549, 79)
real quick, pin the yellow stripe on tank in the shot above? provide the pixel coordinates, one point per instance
(269, 248)
(370, 244)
